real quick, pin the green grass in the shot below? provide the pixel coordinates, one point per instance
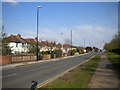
(115, 60)
(77, 78)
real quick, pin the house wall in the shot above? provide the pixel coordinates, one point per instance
(18, 47)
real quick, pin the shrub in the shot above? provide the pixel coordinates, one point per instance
(81, 52)
(58, 53)
(45, 52)
(72, 52)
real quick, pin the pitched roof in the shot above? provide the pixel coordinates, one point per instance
(58, 45)
(17, 39)
(43, 43)
(30, 40)
(66, 45)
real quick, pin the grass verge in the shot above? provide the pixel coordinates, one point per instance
(115, 60)
(77, 78)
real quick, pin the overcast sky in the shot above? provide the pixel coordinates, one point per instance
(94, 22)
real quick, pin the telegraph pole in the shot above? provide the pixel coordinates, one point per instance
(71, 42)
(84, 42)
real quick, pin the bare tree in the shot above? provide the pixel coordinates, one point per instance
(67, 41)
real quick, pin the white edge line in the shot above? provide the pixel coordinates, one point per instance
(8, 75)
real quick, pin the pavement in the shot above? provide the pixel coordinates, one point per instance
(9, 66)
(104, 76)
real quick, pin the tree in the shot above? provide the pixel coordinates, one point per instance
(6, 49)
(32, 47)
(89, 49)
(67, 41)
(114, 44)
(51, 45)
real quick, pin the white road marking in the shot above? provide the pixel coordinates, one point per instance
(39, 68)
(45, 66)
(8, 75)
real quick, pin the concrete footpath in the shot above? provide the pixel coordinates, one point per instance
(34, 62)
(104, 76)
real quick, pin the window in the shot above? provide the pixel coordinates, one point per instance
(22, 44)
(16, 44)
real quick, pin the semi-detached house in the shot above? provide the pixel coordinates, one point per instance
(17, 44)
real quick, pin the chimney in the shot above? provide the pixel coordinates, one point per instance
(11, 35)
(19, 36)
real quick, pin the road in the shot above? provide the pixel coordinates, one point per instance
(21, 77)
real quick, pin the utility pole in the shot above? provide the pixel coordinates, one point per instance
(71, 42)
(62, 43)
(84, 42)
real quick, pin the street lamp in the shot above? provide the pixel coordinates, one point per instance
(37, 30)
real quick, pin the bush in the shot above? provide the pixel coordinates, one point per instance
(72, 52)
(32, 49)
(45, 52)
(58, 53)
(81, 52)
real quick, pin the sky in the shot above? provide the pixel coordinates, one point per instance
(92, 23)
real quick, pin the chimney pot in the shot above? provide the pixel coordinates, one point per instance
(19, 36)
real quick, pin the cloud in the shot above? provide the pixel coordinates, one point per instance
(12, 2)
(92, 34)
(26, 33)
(48, 34)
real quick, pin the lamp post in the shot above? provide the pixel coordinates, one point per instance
(37, 30)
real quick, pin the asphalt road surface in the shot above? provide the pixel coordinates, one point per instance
(21, 77)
